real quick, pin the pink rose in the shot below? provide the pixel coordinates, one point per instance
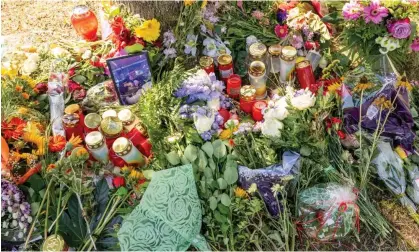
(72, 86)
(399, 28)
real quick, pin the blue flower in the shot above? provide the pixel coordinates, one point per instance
(190, 46)
(207, 135)
(281, 16)
(210, 47)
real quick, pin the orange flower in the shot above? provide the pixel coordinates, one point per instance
(81, 152)
(25, 96)
(51, 167)
(74, 141)
(56, 143)
(36, 90)
(19, 88)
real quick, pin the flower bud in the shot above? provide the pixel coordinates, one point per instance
(14, 223)
(29, 219)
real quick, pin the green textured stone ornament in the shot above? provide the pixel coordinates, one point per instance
(168, 216)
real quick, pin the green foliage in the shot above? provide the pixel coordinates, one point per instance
(72, 225)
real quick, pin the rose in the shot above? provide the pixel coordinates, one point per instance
(303, 99)
(311, 45)
(400, 29)
(42, 87)
(118, 182)
(72, 86)
(272, 127)
(203, 123)
(79, 94)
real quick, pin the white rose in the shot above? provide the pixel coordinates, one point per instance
(304, 100)
(87, 55)
(272, 127)
(277, 109)
(203, 123)
(59, 52)
(214, 104)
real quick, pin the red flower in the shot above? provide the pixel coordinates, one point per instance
(231, 142)
(281, 31)
(117, 25)
(311, 45)
(328, 123)
(13, 128)
(79, 94)
(141, 181)
(118, 182)
(336, 120)
(72, 86)
(158, 43)
(56, 143)
(72, 71)
(341, 134)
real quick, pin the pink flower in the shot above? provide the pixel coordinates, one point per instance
(297, 41)
(257, 14)
(281, 31)
(79, 94)
(72, 86)
(415, 45)
(352, 10)
(375, 13)
(399, 28)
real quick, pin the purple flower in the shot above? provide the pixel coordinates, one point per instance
(168, 38)
(352, 10)
(169, 53)
(190, 46)
(415, 45)
(375, 13)
(297, 41)
(281, 16)
(207, 135)
(400, 29)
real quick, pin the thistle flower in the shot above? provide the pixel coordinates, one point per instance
(240, 193)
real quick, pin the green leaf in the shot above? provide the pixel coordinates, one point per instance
(72, 225)
(207, 147)
(208, 172)
(148, 174)
(134, 48)
(220, 149)
(213, 203)
(222, 183)
(122, 191)
(223, 209)
(211, 164)
(101, 194)
(231, 174)
(225, 199)
(79, 79)
(173, 158)
(184, 160)
(36, 182)
(203, 162)
(34, 208)
(191, 153)
(219, 217)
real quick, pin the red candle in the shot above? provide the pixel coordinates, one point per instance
(207, 63)
(247, 98)
(234, 84)
(84, 22)
(305, 74)
(72, 126)
(225, 66)
(146, 148)
(257, 110)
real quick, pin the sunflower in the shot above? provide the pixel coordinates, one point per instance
(240, 193)
(149, 30)
(382, 102)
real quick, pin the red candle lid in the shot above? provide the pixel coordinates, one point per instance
(234, 79)
(259, 105)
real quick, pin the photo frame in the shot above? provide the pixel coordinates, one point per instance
(131, 76)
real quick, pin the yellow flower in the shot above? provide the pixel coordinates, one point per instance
(204, 4)
(382, 102)
(401, 152)
(363, 85)
(240, 193)
(334, 87)
(252, 188)
(403, 82)
(276, 188)
(51, 167)
(81, 152)
(226, 134)
(188, 2)
(8, 72)
(149, 30)
(75, 141)
(22, 110)
(135, 175)
(126, 169)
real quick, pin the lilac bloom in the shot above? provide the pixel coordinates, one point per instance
(190, 46)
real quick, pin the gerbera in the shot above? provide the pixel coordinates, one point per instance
(56, 143)
(13, 129)
(375, 13)
(149, 30)
(334, 87)
(51, 167)
(281, 31)
(25, 96)
(352, 10)
(240, 193)
(80, 152)
(74, 142)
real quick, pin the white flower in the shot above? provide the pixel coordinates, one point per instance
(276, 188)
(272, 127)
(87, 55)
(231, 123)
(252, 188)
(80, 50)
(277, 109)
(59, 52)
(210, 47)
(214, 104)
(203, 123)
(303, 99)
(30, 64)
(29, 219)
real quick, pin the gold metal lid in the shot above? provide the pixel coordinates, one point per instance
(126, 116)
(54, 243)
(224, 59)
(275, 50)
(109, 113)
(92, 120)
(257, 68)
(111, 126)
(288, 53)
(71, 119)
(94, 139)
(257, 49)
(122, 146)
(302, 64)
(247, 91)
(71, 109)
(205, 61)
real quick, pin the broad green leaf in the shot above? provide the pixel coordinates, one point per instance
(134, 48)
(208, 172)
(231, 174)
(213, 203)
(223, 209)
(191, 153)
(203, 162)
(79, 79)
(173, 158)
(220, 149)
(222, 183)
(184, 160)
(207, 147)
(219, 217)
(211, 164)
(34, 208)
(225, 199)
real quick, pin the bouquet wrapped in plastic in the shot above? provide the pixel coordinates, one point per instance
(328, 211)
(412, 189)
(99, 96)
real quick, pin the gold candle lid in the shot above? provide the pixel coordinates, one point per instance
(257, 49)
(302, 64)
(111, 126)
(109, 113)
(205, 61)
(288, 53)
(92, 120)
(275, 50)
(224, 59)
(54, 243)
(257, 68)
(94, 139)
(70, 119)
(247, 91)
(71, 109)
(121, 146)
(126, 116)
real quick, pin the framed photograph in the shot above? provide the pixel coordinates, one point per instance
(131, 76)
